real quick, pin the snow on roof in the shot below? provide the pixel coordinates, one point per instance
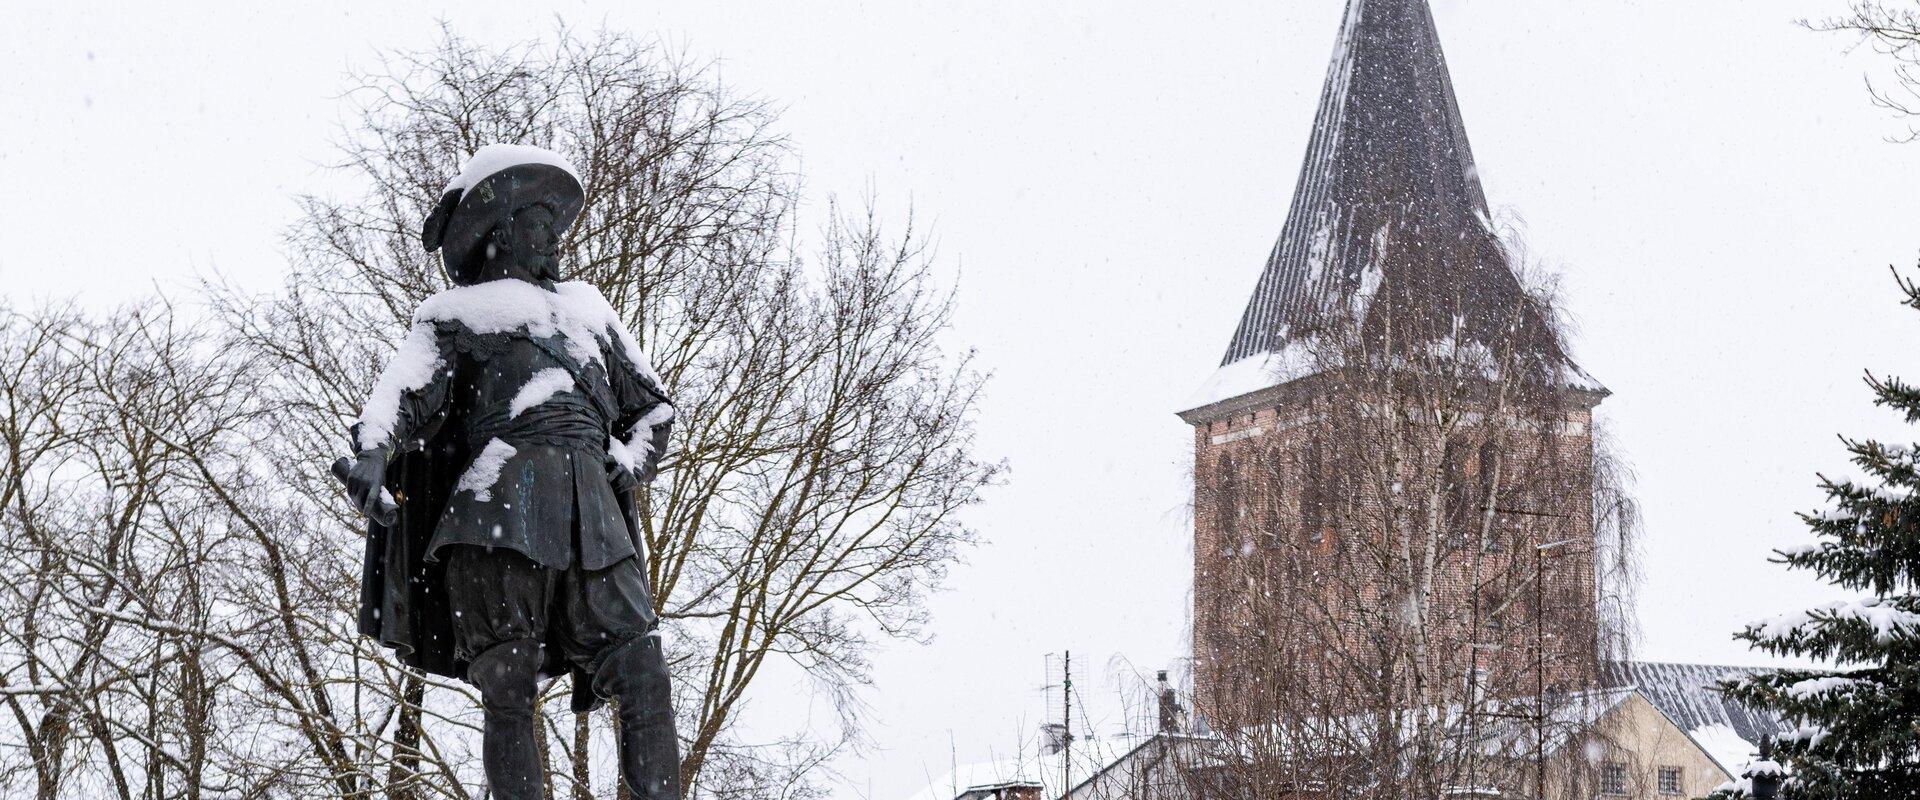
(1578, 378)
(495, 157)
(1253, 373)
(1726, 730)
(1044, 770)
(1388, 149)
(1296, 359)
(1725, 746)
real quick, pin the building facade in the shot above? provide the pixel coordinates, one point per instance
(1393, 433)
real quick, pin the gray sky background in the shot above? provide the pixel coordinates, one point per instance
(1710, 182)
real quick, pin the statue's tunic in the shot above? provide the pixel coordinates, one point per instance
(544, 415)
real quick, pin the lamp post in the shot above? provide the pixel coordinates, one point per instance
(1540, 555)
(1538, 717)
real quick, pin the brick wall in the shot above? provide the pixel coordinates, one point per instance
(1276, 581)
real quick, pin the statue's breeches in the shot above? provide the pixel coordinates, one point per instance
(508, 609)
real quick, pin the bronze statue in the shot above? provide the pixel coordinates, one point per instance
(497, 459)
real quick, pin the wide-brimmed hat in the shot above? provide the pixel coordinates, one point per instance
(497, 181)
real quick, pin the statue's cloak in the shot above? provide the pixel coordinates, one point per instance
(403, 598)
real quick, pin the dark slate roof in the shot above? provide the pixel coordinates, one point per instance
(1685, 694)
(1388, 169)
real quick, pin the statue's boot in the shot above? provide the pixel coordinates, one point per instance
(507, 676)
(634, 676)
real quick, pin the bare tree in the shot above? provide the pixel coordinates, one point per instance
(178, 573)
(125, 438)
(824, 437)
(1893, 30)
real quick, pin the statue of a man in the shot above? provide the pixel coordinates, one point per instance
(497, 458)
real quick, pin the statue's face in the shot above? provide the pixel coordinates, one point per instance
(532, 247)
(535, 244)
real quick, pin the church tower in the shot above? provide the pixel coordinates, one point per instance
(1388, 240)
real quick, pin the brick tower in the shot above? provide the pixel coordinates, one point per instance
(1388, 231)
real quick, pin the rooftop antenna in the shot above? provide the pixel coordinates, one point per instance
(1066, 739)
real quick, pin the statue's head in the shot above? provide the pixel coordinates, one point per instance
(503, 216)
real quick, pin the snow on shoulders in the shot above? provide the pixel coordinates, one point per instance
(496, 306)
(589, 298)
(495, 157)
(574, 309)
(411, 368)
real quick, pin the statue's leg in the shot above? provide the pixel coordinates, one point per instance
(499, 602)
(507, 676)
(609, 631)
(634, 675)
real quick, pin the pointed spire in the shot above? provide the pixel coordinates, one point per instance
(1388, 159)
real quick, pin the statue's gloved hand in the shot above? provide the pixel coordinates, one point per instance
(366, 485)
(621, 477)
(656, 448)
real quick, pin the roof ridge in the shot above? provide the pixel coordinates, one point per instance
(1643, 662)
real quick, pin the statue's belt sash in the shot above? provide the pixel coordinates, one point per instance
(564, 420)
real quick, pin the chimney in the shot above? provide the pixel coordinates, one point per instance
(1024, 791)
(1053, 738)
(1017, 790)
(1171, 713)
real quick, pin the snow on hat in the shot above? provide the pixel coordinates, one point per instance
(498, 180)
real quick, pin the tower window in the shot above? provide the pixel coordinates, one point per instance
(1271, 482)
(1227, 502)
(1314, 494)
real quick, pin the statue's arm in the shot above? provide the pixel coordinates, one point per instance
(410, 399)
(408, 402)
(645, 421)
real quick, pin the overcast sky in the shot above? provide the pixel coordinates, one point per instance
(1710, 181)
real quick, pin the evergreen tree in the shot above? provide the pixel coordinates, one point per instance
(1855, 730)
